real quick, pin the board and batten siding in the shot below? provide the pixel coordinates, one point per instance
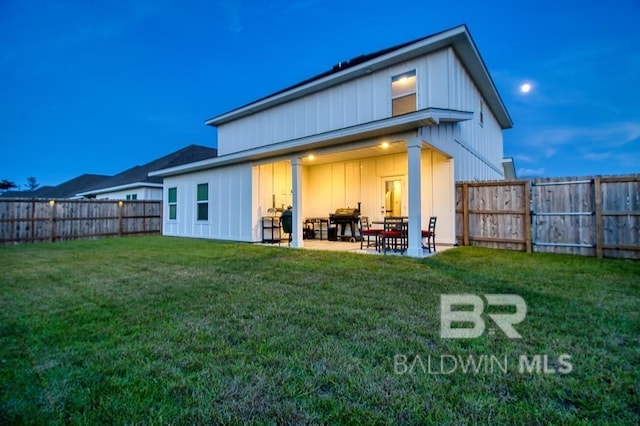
(230, 204)
(362, 100)
(442, 82)
(479, 145)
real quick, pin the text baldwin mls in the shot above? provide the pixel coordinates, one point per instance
(446, 364)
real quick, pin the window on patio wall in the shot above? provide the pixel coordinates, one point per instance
(203, 201)
(403, 93)
(172, 200)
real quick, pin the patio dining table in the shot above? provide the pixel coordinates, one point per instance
(400, 240)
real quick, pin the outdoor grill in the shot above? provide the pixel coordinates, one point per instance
(345, 216)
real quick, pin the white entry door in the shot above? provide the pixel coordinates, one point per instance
(392, 202)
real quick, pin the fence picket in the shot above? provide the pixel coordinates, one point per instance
(32, 220)
(592, 216)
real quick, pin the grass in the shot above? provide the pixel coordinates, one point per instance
(156, 330)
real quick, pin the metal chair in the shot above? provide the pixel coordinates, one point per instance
(430, 235)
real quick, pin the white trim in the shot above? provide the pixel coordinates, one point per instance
(479, 156)
(121, 188)
(399, 123)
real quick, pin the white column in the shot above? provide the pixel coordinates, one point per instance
(414, 157)
(296, 177)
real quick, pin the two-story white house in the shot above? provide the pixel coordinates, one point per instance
(392, 131)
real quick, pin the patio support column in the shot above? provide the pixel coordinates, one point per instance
(414, 157)
(296, 177)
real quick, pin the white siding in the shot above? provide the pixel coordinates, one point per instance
(344, 184)
(142, 193)
(240, 195)
(358, 101)
(479, 145)
(230, 204)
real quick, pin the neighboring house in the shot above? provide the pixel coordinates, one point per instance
(67, 189)
(136, 184)
(390, 131)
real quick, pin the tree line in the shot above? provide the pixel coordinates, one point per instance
(31, 185)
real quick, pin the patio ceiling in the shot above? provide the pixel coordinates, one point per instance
(356, 153)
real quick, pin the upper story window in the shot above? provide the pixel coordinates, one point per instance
(403, 93)
(203, 201)
(132, 197)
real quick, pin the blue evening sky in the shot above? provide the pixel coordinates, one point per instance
(101, 86)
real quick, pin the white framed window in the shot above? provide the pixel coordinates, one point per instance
(403, 93)
(203, 202)
(172, 201)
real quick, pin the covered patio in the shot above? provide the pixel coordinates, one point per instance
(392, 175)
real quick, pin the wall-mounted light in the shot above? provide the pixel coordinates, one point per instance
(120, 203)
(52, 203)
(384, 145)
(311, 157)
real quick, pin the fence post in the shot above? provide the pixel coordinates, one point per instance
(527, 216)
(33, 220)
(120, 204)
(52, 221)
(597, 189)
(465, 214)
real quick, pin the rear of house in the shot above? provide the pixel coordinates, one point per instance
(388, 133)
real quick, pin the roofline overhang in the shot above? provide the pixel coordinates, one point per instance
(401, 123)
(458, 38)
(119, 188)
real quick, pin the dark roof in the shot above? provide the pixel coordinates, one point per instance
(26, 194)
(73, 186)
(66, 189)
(140, 174)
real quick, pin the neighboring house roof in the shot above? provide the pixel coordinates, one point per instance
(26, 194)
(458, 38)
(139, 175)
(67, 189)
(71, 187)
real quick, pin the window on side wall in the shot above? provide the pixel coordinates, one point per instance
(203, 201)
(131, 197)
(403, 93)
(172, 201)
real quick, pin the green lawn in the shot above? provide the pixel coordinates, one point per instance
(156, 330)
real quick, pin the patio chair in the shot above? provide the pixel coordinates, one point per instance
(368, 232)
(430, 235)
(394, 234)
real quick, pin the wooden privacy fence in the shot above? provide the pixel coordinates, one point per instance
(593, 216)
(32, 220)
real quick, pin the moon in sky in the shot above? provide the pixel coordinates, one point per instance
(525, 88)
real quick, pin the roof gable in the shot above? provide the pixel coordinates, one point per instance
(458, 38)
